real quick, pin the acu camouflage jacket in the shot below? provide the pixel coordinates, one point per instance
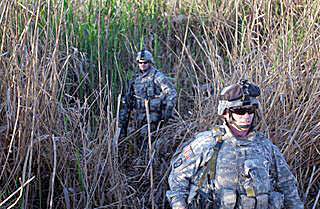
(250, 173)
(152, 85)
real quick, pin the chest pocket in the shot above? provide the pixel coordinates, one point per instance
(139, 89)
(150, 88)
(257, 181)
(146, 87)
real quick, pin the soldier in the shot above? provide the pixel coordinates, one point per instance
(232, 165)
(148, 84)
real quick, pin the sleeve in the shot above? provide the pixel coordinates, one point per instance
(127, 103)
(183, 168)
(186, 167)
(168, 90)
(285, 182)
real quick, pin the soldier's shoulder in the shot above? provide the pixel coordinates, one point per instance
(158, 73)
(207, 137)
(264, 139)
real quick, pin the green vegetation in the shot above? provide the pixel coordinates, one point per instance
(64, 64)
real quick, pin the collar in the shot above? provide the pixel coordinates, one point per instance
(249, 137)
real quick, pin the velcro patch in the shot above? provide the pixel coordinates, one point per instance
(188, 153)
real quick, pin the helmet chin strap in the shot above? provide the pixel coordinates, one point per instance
(240, 126)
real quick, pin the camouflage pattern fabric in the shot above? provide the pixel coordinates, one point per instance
(250, 173)
(154, 86)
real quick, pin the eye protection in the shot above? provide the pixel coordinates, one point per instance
(143, 63)
(243, 110)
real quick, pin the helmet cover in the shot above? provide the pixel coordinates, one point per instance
(238, 95)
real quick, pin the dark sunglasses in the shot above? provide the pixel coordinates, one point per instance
(143, 62)
(242, 111)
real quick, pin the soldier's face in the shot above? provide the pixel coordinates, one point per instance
(243, 116)
(143, 65)
(243, 120)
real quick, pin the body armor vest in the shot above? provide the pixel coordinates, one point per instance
(145, 88)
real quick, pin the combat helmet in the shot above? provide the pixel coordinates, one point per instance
(240, 94)
(144, 55)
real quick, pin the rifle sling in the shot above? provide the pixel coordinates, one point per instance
(210, 168)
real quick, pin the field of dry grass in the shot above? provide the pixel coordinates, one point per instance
(64, 63)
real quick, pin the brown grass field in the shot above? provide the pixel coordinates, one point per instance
(64, 64)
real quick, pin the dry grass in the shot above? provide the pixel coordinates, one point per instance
(63, 66)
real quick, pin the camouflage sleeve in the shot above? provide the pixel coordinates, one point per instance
(124, 112)
(285, 181)
(184, 167)
(168, 90)
(126, 106)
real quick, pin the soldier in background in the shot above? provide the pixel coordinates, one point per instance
(232, 165)
(148, 84)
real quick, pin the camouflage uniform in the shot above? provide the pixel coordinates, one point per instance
(151, 85)
(219, 170)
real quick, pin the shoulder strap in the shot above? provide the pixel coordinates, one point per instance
(210, 167)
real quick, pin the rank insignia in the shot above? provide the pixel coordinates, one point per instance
(188, 153)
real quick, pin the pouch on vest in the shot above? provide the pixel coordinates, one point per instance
(247, 202)
(276, 200)
(262, 201)
(228, 198)
(155, 104)
(150, 88)
(139, 90)
(140, 104)
(155, 117)
(257, 178)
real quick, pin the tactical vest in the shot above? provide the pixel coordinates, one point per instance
(238, 176)
(144, 87)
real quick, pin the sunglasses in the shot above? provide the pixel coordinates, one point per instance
(143, 63)
(242, 111)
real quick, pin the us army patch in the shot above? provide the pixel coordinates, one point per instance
(177, 163)
(188, 153)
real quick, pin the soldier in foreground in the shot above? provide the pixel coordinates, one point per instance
(232, 165)
(148, 84)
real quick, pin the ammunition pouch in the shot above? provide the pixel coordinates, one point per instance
(139, 104)
(150, 89)
(276, 200)
(228, 198)
(258, 202)
(155, 104)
